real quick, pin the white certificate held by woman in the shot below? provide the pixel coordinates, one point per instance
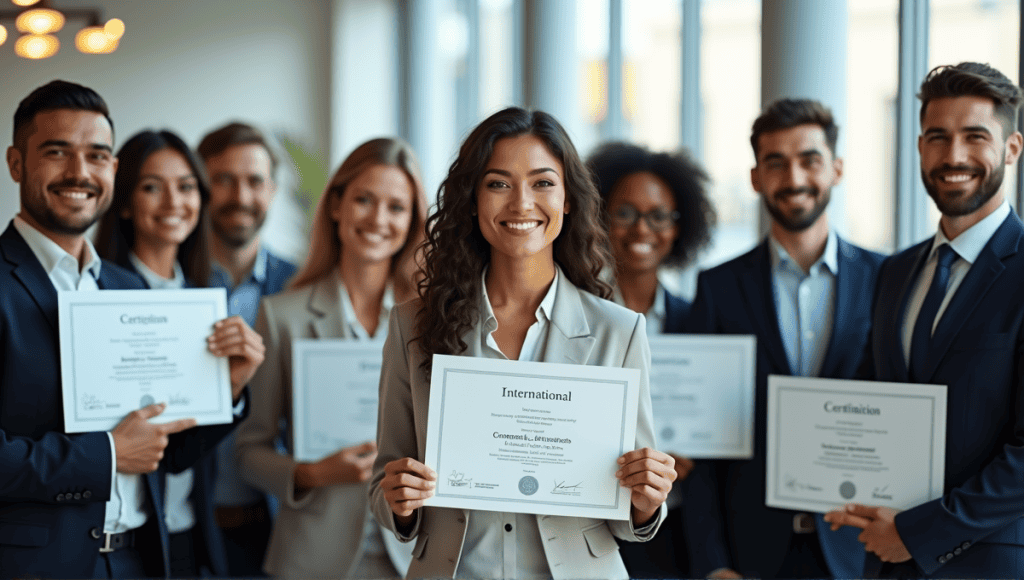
(122, 350)
(831, 442)
(334, 399)
(702, 394)
(530, 437)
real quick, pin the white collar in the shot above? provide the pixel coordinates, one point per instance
(830, 257)
(50, 254)
(544, 311)
(156, 281)
(971, 242)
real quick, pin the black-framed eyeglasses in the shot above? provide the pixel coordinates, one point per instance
(657, 219)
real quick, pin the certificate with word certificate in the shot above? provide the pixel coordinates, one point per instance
(702, 393)
(530, 437)
(334, 395)
(833, 441)
(122, 350)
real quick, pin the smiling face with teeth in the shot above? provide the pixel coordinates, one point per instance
(65, 171)
(373, 213)
(521, 199)
(638, 248)
(165, 203)
(964, 155)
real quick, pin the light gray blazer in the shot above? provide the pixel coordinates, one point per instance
(584, 329)
(318, 533)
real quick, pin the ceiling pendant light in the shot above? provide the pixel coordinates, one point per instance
(39, 21)
(37, 46)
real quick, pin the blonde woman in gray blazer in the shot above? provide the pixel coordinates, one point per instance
(365, 232)
(512, 265)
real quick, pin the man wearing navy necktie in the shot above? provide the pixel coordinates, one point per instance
(950, 311)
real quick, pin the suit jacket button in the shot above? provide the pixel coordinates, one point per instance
(461, 520)
(86, 494)
(957, 552)
(949, 556)
(965, 545)
(95, 533)
(78, 496)
(60, 497)
(942, 559)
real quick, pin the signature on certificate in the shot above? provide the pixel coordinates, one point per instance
(562, 488)
(457, 479)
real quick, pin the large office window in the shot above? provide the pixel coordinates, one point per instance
(498, 44)
(868, 139)
(730, 78)
(652, 72)
(592, 18)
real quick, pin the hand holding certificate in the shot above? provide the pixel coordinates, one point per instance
(123, 350)
(831, 442)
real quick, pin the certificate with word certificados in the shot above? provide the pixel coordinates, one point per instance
(334, 395)
(530, 437)
(122, 350)
(702, 394)
(834, 441)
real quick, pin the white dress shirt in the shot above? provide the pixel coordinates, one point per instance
(968, 247)
(655, 316)
(805, 303)
(179, 515)
(124, 510)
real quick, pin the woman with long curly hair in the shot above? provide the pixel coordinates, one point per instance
(366, 229)
(659, 214)
(512, 264)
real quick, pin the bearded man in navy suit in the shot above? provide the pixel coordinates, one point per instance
(950, 311)
(806, 295)
(84, 505)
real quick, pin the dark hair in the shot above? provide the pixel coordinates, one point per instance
(972, 79)
(55, 95)
(685, 177)
(789, 113)
(117, 234)
(457, 252)
(220, 140)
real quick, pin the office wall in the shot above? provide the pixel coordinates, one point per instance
(191, 66)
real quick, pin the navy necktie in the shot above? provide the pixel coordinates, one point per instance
(921, 340)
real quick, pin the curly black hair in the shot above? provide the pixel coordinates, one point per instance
(611, 162)
(456, 251)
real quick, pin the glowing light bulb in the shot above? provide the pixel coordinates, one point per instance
(93, 40)
(36, 46)
(114, 28)
(24, 2)
(3, 35)
(39, 21)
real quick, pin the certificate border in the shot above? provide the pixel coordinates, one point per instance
(744, 447)
(778, 428)
(318, 347)
(71, 350)
(622, 435)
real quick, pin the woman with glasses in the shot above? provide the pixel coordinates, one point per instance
(512, 264)
(658, 214)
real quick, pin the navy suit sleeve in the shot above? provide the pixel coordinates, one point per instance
(703, 515)
(188, 447)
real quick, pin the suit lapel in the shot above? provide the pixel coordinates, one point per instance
(569, 339)
(971, 292)
(893, 346)
(325, 307)
(30, 273)
(756, 285)
(848, 301)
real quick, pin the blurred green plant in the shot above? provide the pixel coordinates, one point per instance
(311, 168)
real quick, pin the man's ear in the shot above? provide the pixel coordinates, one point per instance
(837, 165)
(15, 163)
(1014, 143)
(755, 179)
